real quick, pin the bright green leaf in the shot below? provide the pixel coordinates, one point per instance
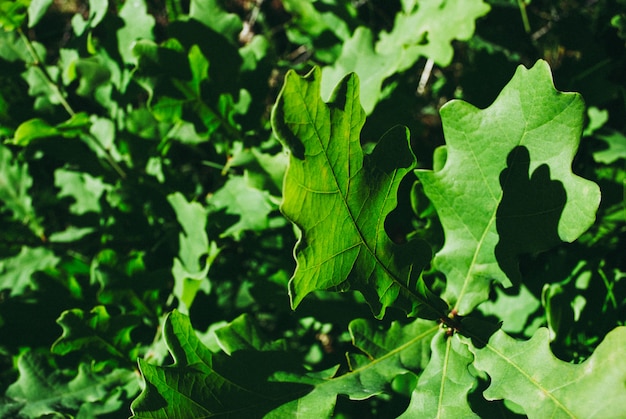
(36, 10)
(507, 186)
(240, 198)
(528, 374)
(138, 24)
(261, 380)
(373, 67)
(425, 29)
(339, 198)
(442, 388)
(85, 189)
(428, 27)
(189, 270)
(16, 271)
(12, 14)
(616, 148)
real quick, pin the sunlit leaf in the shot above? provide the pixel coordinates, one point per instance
(507, 186)
(16, 271)
(442, 388)
(528, 374)
(339, 198)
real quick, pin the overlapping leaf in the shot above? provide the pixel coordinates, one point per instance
(528, 374)
(97, 332)
(442, 388)
(257, 379)
(507, 185)
(422, 29)
(339, 198)
(41, 392)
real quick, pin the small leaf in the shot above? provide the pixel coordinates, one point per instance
(339, 198)
(138, 24)
(84, 188)
(15, 183)
(616, 147)
(212, 14)
(239, 198)
(507, 186)
(528, 374)
(36, 10)
(16, 271)
(97, 332)
(189, 269)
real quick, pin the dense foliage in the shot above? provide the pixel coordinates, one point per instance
(306, 208)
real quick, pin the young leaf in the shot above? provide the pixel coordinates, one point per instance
(188, 270)
(507, 185)
(528, 374)
(442, 388)
(339, 198)
(40, 392)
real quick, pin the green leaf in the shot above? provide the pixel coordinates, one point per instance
(360, 56)
(37, 128)
(616, 148)
(40, 391)
(190, 274)
(240, 198)
(36, 10)
(203, 384)
(387, 354)
(512, 310)
(507, 186)
(97, 332)
(15, 183)
(84, 188)
(138, 24)
(16, 271)
(213, 15)
(261, 380)
(528, 374)
(339, 198)
(12, 14)
(428, 28)
(442, 388)
(422, 29)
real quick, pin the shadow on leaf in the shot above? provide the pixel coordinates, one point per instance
(528, 215)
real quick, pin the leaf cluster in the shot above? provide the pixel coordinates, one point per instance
(198, 217)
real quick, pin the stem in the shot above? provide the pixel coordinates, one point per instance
(44, 73)
(522, 9)
(37, 64)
